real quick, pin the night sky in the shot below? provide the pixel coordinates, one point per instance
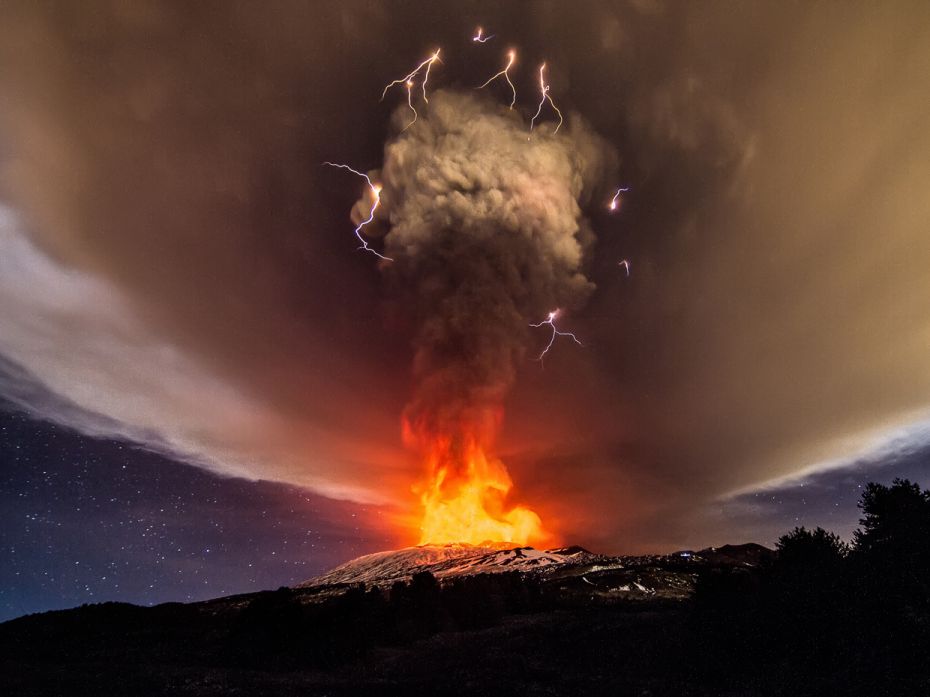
(202, 379)
(84, 520)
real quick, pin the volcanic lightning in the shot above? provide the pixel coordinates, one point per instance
(612, 206)
(511, 57)
(544, 95)
(479, 39)
(426, 64)
(550, 320)
(410, 104)
(625, 264)
(375, 191)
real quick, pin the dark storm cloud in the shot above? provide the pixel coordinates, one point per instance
(171, 261)
(787, 299)
(185, 265)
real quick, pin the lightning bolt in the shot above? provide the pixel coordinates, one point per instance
(410, 104)
(477, 37)
(550, 320)
(376, 201)
(428, 63)
(626, 266)
(544, 95)
(512, 56)
(612, 206)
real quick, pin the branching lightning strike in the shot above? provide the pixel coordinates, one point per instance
(512, 56)
(626, 266)
(550, 320)
(428, 63)
(544, 95)
(479, 39)
(376, 201)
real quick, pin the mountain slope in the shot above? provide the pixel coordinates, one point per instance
(574, 570)
(448, 560)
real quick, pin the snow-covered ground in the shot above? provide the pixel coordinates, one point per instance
(448, 560)
(668, 576)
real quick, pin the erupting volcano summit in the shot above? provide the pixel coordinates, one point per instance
(483, 235)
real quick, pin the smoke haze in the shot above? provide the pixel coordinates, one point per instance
(487, 235)
(177, 267)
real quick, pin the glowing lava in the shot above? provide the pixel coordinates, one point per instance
(464, 496)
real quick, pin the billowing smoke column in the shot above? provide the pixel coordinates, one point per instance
(486, 234)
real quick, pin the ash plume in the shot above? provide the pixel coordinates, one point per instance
(487, 233)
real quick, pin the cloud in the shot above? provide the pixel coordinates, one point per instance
(73, 351)
(186, 270)
(487, 235)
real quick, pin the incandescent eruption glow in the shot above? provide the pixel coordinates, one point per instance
(464, 496)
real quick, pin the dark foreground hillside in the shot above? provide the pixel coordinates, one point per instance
(817, 618)
(582, 651)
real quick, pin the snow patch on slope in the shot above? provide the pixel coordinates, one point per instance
(448, 560)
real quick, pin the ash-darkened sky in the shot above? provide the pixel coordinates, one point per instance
(181, 293)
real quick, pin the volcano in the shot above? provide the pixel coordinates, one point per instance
(378, 626)
(455, 559)
(573, 570)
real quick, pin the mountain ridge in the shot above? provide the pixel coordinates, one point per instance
(451, 559)
(669, 574)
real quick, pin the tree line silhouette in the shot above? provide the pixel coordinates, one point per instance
(825, 617)
(279, 628)
(818, 617)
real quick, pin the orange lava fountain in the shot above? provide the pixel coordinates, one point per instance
(464, 496)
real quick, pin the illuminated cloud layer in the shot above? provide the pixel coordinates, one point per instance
(177, 266)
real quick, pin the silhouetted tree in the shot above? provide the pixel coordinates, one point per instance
(891, 576)
(827, 619)
(892, 548)
(267, 629)
(811, 549)
(896, 523)
(418, 608)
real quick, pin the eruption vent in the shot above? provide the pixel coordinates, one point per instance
(486, 233)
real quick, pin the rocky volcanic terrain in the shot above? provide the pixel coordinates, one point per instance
(438, 619)
(450, 560)
(815, 618)
(572, 569)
